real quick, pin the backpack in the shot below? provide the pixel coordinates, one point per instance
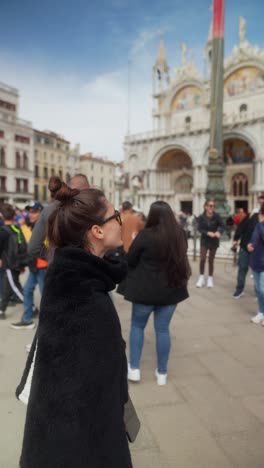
(16, 255)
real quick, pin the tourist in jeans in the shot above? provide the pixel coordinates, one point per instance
(211, 228)
(256, 248)
(242, 237)
(37, 270)
(156, 282)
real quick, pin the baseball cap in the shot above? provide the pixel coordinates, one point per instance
(36, 206)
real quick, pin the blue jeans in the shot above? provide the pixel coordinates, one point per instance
(243, 265)
(162, 318)
(33, 279)
(259, 287)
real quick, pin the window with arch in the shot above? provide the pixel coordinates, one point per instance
(18, 160)
(25, 161)
(240, 185)
(2, 158)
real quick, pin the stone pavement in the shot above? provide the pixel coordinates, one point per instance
(210, 414)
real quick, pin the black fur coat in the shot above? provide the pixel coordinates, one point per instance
(79, 385)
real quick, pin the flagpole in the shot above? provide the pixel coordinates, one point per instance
(216, 168)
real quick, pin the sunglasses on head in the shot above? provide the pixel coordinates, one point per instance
(115, 216)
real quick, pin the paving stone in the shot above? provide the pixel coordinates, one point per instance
(236, 378)
(148, 394)
(244, 449)
(149, 459)
(248, 354)
(255, 404)
(187, 443)
(220, 413)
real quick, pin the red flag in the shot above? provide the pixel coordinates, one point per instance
(218, 30)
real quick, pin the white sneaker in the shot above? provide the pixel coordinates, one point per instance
(133, 374)
(210, 282)
(257, 318)
(161, 378)
(28, 348)
(200, 283)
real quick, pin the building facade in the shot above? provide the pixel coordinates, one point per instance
(16, 151)
(100, 173)
(170, 162)
(52, 156)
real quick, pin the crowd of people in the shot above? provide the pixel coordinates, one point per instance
(77, 249)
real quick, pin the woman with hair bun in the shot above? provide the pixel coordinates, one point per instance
(79, 384)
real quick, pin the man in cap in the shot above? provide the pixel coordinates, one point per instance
(37, 270)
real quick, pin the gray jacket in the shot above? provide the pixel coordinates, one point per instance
(36, 246)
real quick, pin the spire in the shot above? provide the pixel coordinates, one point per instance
(210, 34)
(161, 62)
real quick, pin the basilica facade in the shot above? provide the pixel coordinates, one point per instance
(170, 162)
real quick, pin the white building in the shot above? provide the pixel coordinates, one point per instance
(170, 162)
(100, 173)
(16, 151)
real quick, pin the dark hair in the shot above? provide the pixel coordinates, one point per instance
(8, 212)
(172, 242)
(54, 185)
(77, 212)
(126, 205)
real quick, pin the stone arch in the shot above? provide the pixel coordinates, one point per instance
(244, 136)
(238, 151)
(175, 159)
(170, 150)
(187, 97)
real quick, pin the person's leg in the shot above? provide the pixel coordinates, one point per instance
(41, 272)
(243, 265)
(259, 288)
(162, 318)
(7, 292)
(261, 292)
(202, 259)
(140, 316)
(29, 287)
(13, 279)
(212, 253)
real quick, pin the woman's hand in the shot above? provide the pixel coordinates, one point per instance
(217, 234)
(210, 234)
(250, 247)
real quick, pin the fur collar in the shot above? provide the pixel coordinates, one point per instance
(75, 265)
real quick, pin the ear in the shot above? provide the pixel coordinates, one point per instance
(97, 231)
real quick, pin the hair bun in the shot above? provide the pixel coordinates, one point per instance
(66, 193)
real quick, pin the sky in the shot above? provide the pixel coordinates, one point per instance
(70, 60)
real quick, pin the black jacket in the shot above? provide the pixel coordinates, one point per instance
(79, 386)
(245, 230)
(147, 280)
(213, 224)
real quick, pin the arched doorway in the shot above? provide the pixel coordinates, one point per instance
(175, 174)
